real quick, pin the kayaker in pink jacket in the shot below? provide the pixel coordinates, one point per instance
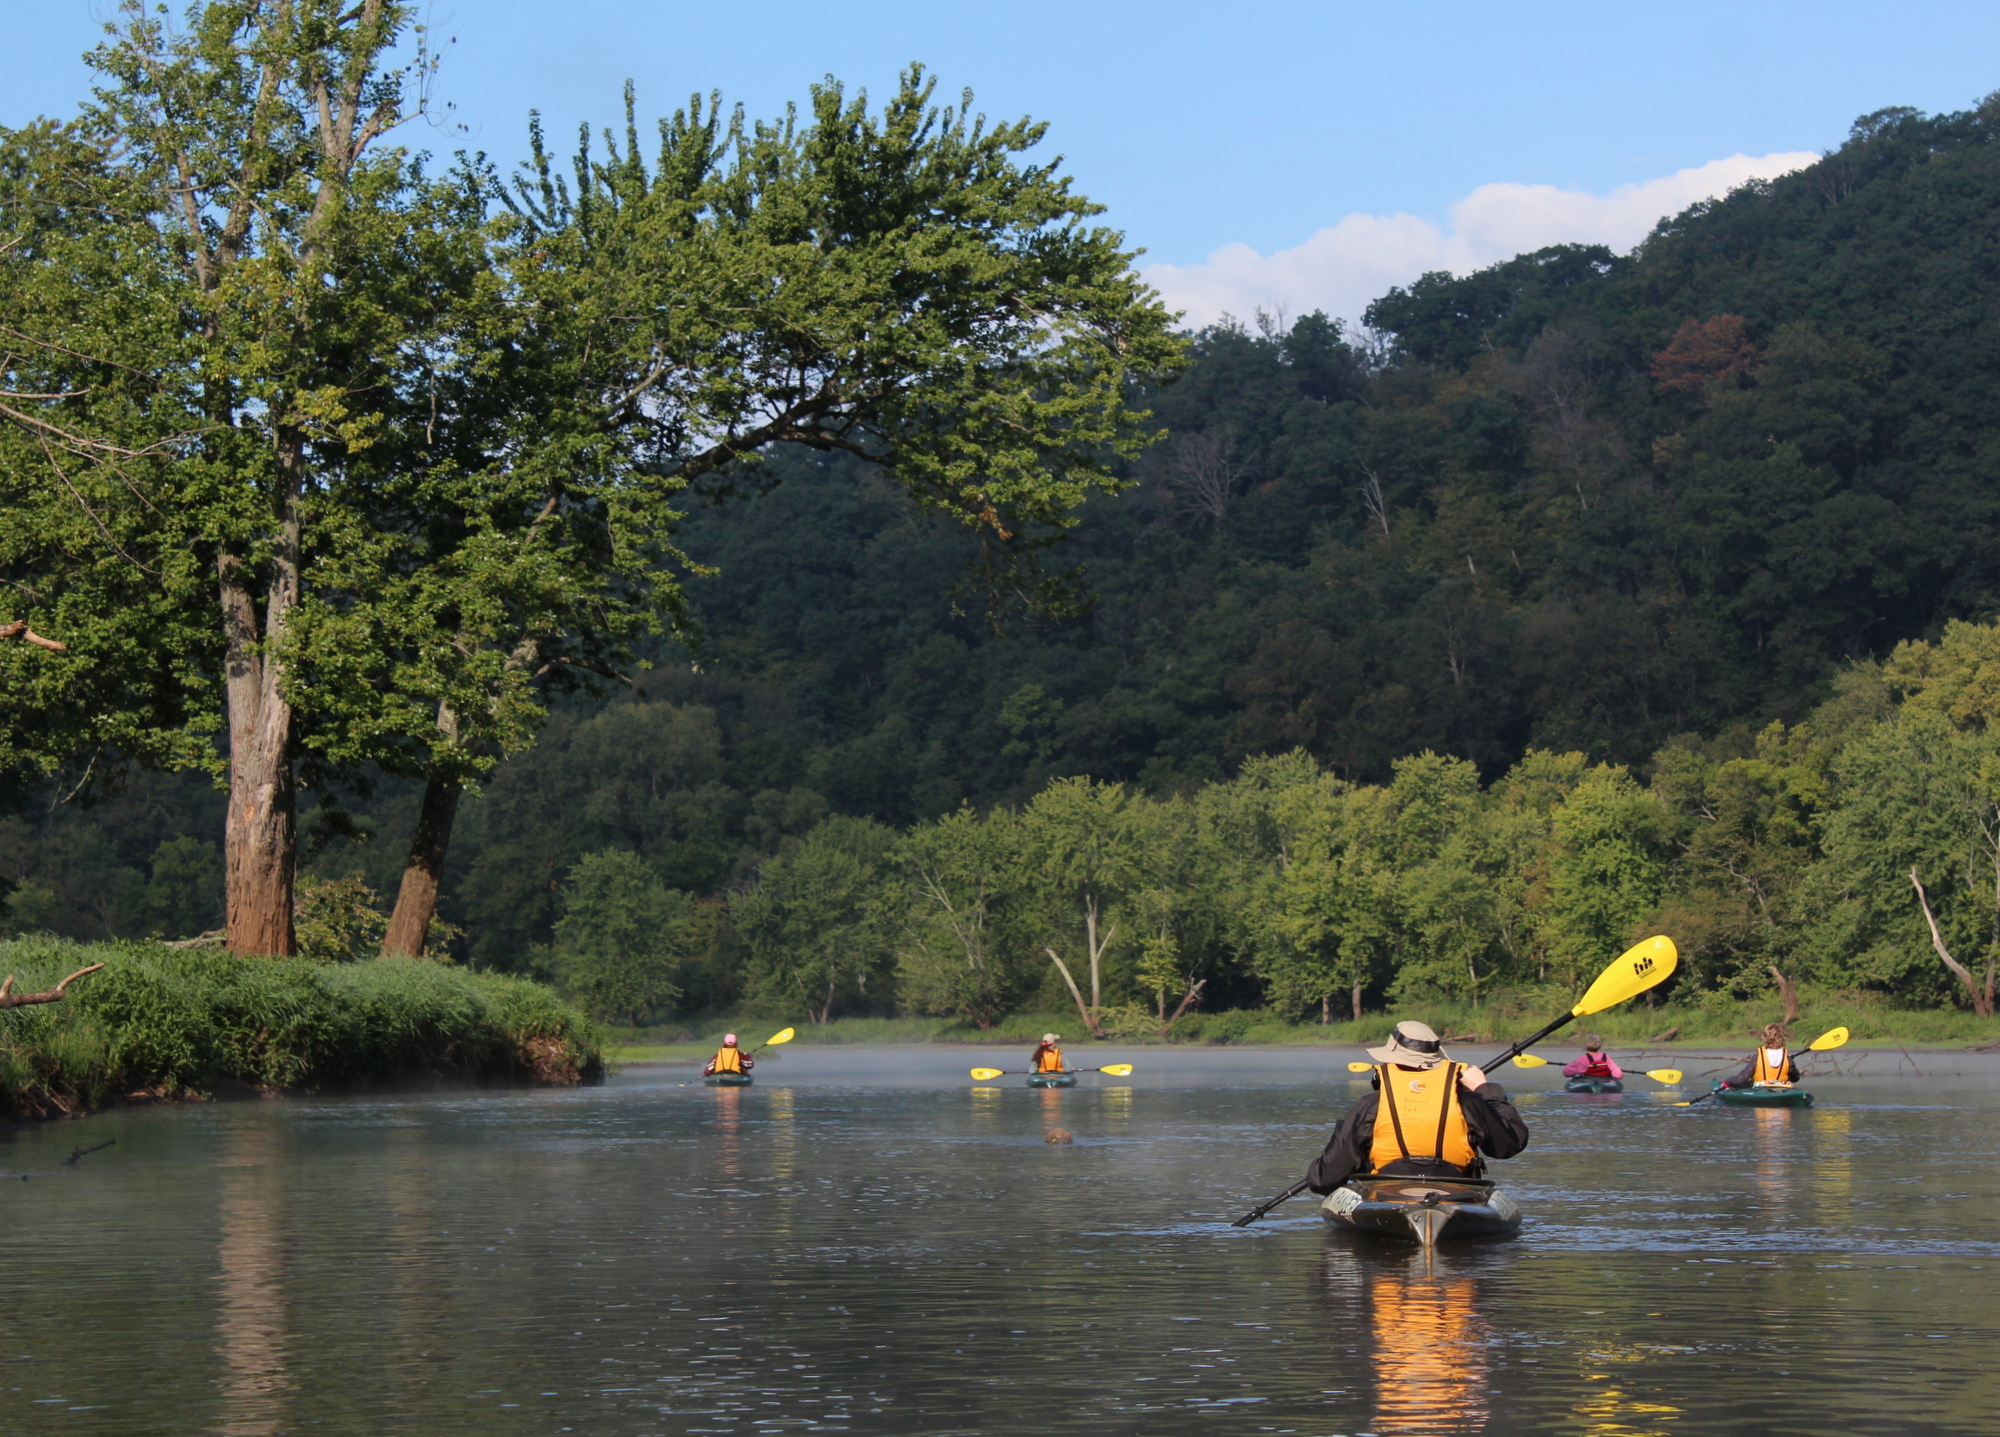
(1593, 1062)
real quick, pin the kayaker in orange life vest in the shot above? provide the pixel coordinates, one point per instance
(1428, 1117)
(1770, 1066)
(729, 1059)
(1047, 1057)
(1593, 1061)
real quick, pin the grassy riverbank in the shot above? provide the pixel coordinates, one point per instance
(1508, 1016)
(163, 1023)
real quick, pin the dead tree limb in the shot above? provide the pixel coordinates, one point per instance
(1980, 1003)
(1787, 992)
(18, 629)
(1193, 994)
(10, 999)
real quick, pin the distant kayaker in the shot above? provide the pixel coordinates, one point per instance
(1440, 1117)
(1770, 1066)
(728, 1059)
(1047, 1057)
(1593, 1061)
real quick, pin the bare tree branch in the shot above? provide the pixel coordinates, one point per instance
(10, 999)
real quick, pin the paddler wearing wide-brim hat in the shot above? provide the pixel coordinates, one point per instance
(1047, 1057)
(1427, 1117)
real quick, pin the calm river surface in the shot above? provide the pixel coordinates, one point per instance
(865, 1242)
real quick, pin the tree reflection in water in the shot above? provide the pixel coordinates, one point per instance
(250, 1329)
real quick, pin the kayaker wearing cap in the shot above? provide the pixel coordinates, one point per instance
(1440, 1116)
(1047, 1057)
(1593, 1062)
(728, 1059)
(1770, 1066)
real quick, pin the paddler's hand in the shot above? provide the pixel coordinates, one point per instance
(1473, 1078)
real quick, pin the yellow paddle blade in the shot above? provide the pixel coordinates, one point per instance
(1117, 1070)
(1642, 966)
(1669, 1076)
(777, 1038)
(982, 1074)
(1831, 1038)
(1360, 1067)
(1529, 1060)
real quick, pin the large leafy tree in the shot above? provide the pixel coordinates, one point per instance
(299, 418)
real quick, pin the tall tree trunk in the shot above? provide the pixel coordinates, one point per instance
(417, 898)
(1089, 1017)
(1357, 1001)
(261, 833)
(1982, 1003)
(423, 872)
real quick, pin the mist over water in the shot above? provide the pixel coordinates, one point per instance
(866, 1242)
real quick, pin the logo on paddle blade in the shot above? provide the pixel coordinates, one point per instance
(1642, 967)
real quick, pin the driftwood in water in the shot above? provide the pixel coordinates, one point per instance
(10, 999)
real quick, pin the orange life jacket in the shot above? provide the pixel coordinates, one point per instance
(1765, 1073)
(727, 1060)
(1048, 1060)
(1421, 1117)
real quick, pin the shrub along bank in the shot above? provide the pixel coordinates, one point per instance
(1720, 1020)
(158, 1022)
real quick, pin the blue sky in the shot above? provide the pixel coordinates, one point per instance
(1246, 129)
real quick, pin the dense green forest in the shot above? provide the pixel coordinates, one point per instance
(1562, 602)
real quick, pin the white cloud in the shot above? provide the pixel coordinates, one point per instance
(1341, 269)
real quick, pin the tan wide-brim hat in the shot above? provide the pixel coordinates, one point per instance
(1051, 1038)
(1411, 1045)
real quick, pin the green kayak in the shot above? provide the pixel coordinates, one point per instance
(1762, 1097)
(728, 1080)
(1052, 1080)
(1593, 1085)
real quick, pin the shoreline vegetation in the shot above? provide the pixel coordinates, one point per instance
(161, 1024)
(1727, 1023)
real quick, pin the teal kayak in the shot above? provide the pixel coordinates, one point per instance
(1593, 1085)
(1052, 1080)
(728, 1080)
(1762, 1097)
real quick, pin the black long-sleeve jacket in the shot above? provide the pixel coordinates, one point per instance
(1490, 1121)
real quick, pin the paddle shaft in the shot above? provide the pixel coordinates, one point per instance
(1527, 1043)
(1286, 1196)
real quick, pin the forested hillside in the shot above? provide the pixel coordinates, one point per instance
(1631, 509)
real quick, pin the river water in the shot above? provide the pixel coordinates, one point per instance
(865, 1242)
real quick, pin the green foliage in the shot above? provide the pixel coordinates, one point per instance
(815, 925)
(170, 1023)
(620, 941)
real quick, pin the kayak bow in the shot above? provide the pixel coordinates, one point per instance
(1422, 1210)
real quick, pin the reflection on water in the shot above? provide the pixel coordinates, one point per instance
(250, 1332)
(1430, 1357)
(895, 1258)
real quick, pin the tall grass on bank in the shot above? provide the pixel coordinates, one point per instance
(163, 1023)
(1500, 1020)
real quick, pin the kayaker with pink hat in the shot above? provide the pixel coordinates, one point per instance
(729, 1059)
(1428, 1117)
